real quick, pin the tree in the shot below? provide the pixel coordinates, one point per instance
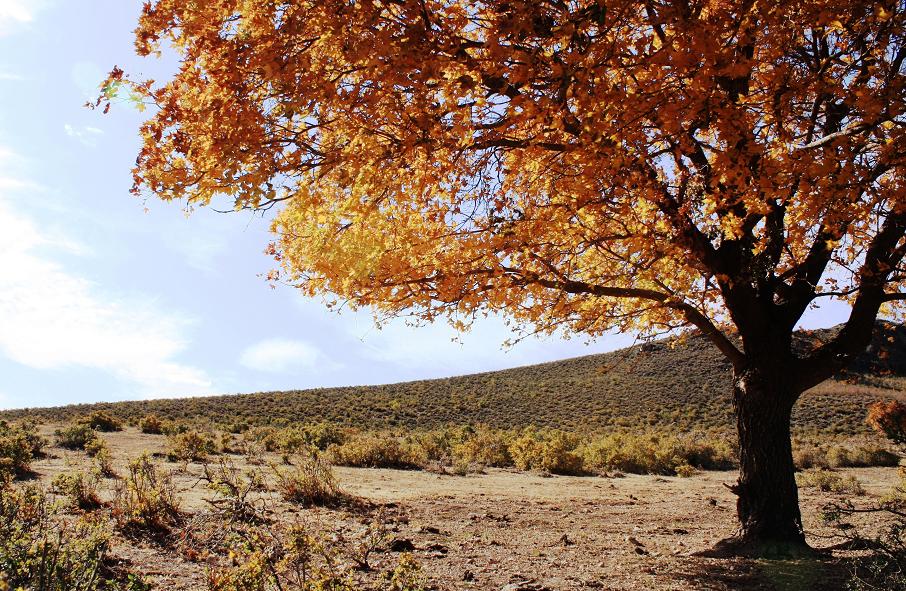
(577, 165)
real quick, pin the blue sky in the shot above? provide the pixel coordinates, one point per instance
(106, 297)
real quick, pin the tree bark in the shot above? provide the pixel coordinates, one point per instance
(768, 504)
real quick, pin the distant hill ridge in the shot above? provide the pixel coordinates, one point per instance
(682, 385)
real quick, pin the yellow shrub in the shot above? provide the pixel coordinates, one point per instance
(548, 450)
(191, 446)
(485, 448)
(829, 481)
(375, 450)
(151, 425)
(654, 453)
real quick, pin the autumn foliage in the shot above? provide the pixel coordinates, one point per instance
(535, 158)
(889, 419)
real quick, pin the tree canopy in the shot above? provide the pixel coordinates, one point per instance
(590, 165)
(587, 165)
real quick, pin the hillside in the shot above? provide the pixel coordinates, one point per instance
(681, 385)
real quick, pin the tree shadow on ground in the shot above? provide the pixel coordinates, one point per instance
(814, 574)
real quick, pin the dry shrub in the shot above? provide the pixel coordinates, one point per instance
(432, 448)
(40, 550)
(308, 481)
(807, 456)
(264, 437)
(151, 425)
(555, 451)
(406, 576)
(265, 559)
(190, 446)
(547, 450)
(75, 436)
(296, 439)
(80, 489)
(860, 456)
(484, 447)
(685, 471)
(375, 450)
(455, 448)
(234, 492)
(145, 498)
(95, 446)
(653, 453)
(100, 454)
(102, 421)
(323, 435)
(19, 445)
(829, 481)
(858, 452)
(175, 428)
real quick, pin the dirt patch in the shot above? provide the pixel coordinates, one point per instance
(511, 530)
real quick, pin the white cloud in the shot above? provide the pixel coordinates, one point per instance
(10, 76)
(16, 13)
(283, 355)
(86, 134)
(52, 318)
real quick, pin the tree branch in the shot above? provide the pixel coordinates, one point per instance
(881, 259)
(690, 313)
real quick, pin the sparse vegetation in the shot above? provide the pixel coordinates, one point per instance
(80, 488)
(463, 450)
(190, 446)
(309, 480)
(884, 566)
(40, 550)
(237, 525)
(19, 445)
(145, 499)
(678, 387)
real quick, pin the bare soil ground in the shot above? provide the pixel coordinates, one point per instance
(511, 530)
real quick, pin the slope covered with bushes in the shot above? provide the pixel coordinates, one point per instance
(679, 385)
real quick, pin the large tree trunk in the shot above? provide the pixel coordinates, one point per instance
(768, 504)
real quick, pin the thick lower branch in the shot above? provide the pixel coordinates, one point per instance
(881, 258)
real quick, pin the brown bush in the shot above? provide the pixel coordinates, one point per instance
(308, 481)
